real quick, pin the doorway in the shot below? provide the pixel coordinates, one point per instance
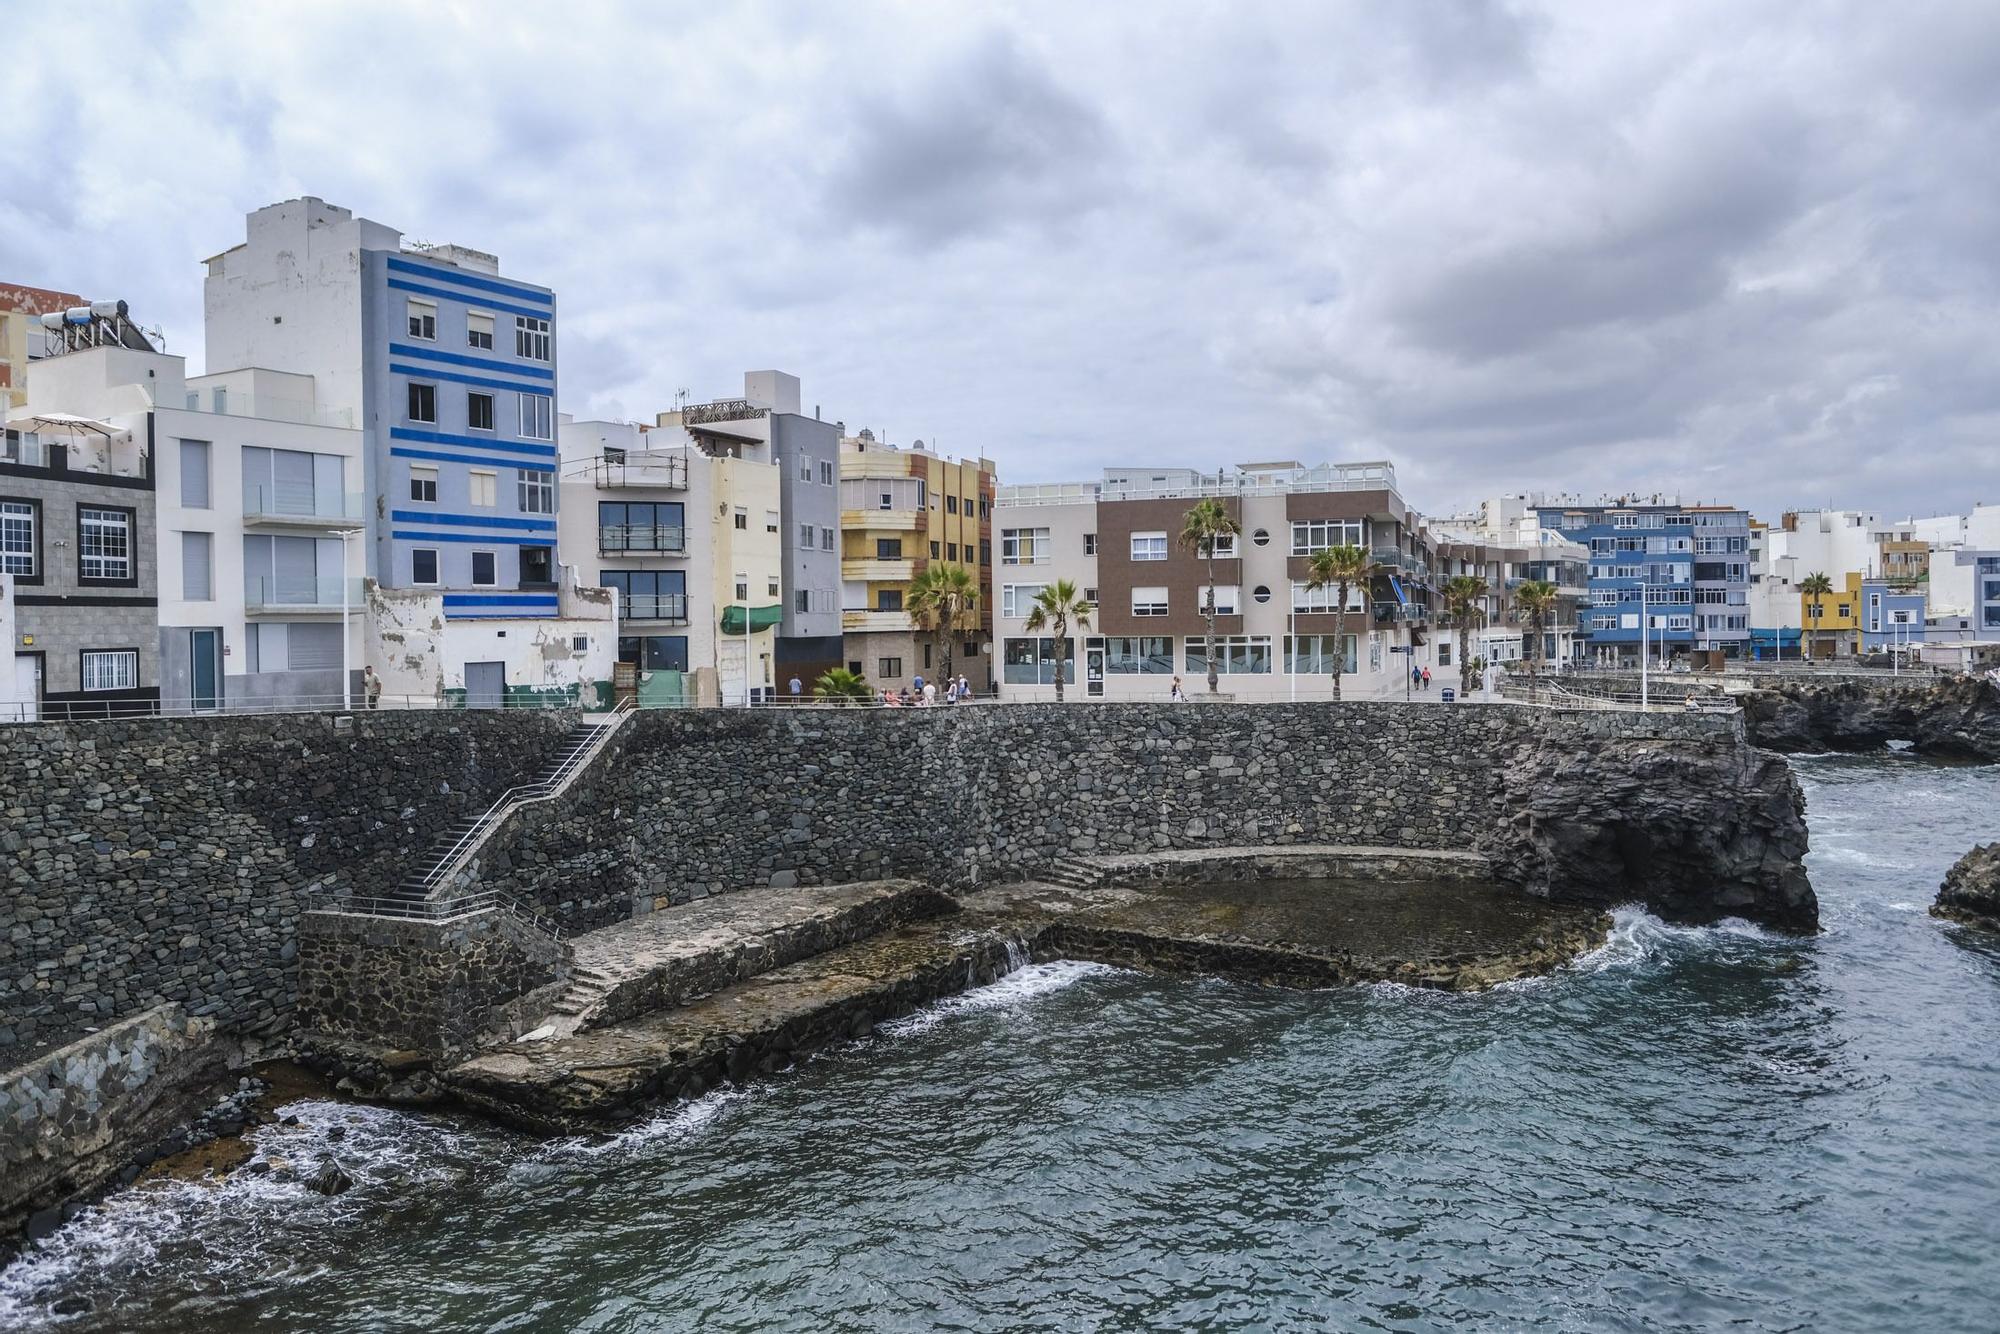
(1093, 672)
(27, 690)
(204, 670)
(485, 685)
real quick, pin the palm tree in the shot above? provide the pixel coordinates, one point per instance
(1202, 527)
(1461, 600)
(838, 686)
(941, 596)
(1056, 608)
(1538, 600)
(1816, 586)
(1339, 568)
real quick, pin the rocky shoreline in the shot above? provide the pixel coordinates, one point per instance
(1971, 889)
(1952, 717)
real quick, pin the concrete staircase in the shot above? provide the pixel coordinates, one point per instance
(1075, 873)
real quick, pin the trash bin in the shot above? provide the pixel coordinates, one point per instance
(1447, 695)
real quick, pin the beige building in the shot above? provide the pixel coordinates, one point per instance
(21, 341)
(903, 511)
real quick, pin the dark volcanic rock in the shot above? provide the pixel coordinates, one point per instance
(1971, 889)
(1953, 716)
(1694, 832)
(329, 1179)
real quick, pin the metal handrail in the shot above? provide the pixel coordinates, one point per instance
(122, 710)
(432, 910)
(523, 794)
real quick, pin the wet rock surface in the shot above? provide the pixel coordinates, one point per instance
(1953, 717)
(1971, 889)
(1300, 933)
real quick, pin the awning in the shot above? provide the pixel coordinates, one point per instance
(1396, 586)
(63, 421)
(761, 618)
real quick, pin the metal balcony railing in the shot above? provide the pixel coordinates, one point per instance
(281, 593)
(300, 503)
(619, 537)
(653, 607)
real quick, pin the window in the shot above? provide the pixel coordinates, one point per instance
(531, 338)
(888, 599)
(985, 553)
(423, 565)
(104, 545)
(951, 504)
(423, 320)
(423, 403)
(479, 330)
(1328, 598)
(1606, 622)
(770, 586)
(478, 412)
(194, 474)
(1024, 546)
(423, 483)
(770, 520)
(826, 539)
(885, 501)
(1149, 602)
(641, 525)
(800, 602)
(1262, 537)
(1228, 599)
(1090, 596)
(888, 548)
(1235, 655)
(951, 551)
(743, 587)
(1310, 535)
(1225, 547)
(1149, 546)
(889, 669)
(1846, 609)
(1139, 655)
(537, 565)
(1016, 600)
(197, 567)
(934, 551)
(1262, 593)
(825, 473)
(537, 492)
(1314, 655)
(806, 536)
(649, 595)
(654, 653)
(805, 469)
(117, 670)
(535, 417)
(483, 488)
(1036, 661)
(19, 522)
(1090, 544)
(483, 571)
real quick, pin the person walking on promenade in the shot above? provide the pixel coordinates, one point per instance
(1427, 678)
(930, 693)
(798, 688)
(1175, 693)
(1417, 676)
(371, 686)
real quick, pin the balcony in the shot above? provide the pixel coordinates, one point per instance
(883, 570)
(885, 521)
(661, 470)
(300, 507)
(265, 595)
(721, 410)
(671, 608)
(620, 539)
(883, 622)
(221, 401)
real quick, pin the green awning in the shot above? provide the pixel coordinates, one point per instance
(761, 618)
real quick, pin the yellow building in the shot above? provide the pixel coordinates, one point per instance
(21, 309)
(902, 511)
(1832, 620)
(748, 555)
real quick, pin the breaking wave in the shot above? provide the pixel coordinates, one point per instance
(1024, 984)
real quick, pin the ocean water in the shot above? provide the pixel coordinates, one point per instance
(1691, 1129)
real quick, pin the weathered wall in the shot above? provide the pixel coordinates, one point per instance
(163, 859)
(429, 986)
(70, 1119)
(705, 802)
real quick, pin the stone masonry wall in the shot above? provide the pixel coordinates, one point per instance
(704, 802)
(163, 860)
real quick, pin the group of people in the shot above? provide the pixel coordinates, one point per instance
(922, 694)
(1420, 677)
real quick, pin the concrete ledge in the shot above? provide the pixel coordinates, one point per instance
(1202, 866)
(73, 1117)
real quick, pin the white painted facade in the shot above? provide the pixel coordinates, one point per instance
(17, 681)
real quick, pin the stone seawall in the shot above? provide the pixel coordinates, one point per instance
(163, 860)
(703, 802)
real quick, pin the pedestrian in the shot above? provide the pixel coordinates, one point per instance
(930, 693)
(1427, 678)
(917, 683)
(964, 688)
(371, 686)
(798, 688)
(1417, 676)
(1175, 693)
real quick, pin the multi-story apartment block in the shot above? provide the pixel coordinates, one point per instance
(1501, 631)
(77, 529)
(250, 538)
(1117, 540)
(1684, 568)
(22, 336)
(1892, 616)
(449, 371)
(902, 511)
(806, 450)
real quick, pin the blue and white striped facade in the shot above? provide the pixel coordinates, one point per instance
(515, 456)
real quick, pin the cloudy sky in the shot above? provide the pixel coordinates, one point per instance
(1743, 251)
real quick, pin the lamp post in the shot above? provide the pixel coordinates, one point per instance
(346, 653)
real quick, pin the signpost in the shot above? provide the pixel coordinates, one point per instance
(1404, 648)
